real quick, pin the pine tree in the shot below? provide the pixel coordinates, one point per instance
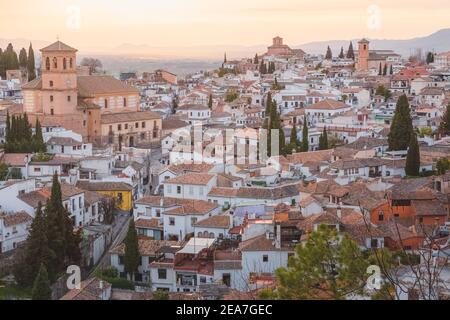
(430, 57)
(23, 60)
(341, 55)
(294, 143)
(210, 102)
(442, 165)
(444, 127)
(41, 287)
(31, 65)
(412, 167)
(391, 70)
(268, 104)
(262, 68)
(380, 70)
(329, 54)
(401, 126)
(350, 52)
(2, 65)
(132, 256)
(305, 136)
(12, 61)
(385, 70)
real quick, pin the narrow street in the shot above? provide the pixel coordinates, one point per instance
(119, 233)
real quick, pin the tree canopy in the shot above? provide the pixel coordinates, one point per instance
(401, 127)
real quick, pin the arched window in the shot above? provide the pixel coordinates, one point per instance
(199, 235)
(47, 63)
(64, 64)
(125, 102)
(205, 234)
(71, 63)
(211, 235)
(55, 63)
(380, 215)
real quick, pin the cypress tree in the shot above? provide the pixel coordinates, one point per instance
(23, 60)
(12, 61)
(132, 256)
(210, 102)
(2, 64)
(444, 127)
(430, 57)
(263, 68)
(268, 104)
(256, 60)
(31, 65)
(412, 167)
(385, 70)
(329, 54)
(341, 55)
(323, 140)
(41, 287)
(305, 136)
(391, 71)
(7, 132)
(38, 140)
(36, 252)
(380, 70)
(401, 126)
(294, 139)
(350, 52)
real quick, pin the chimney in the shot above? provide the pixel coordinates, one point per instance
(278, 237)
(339, 212)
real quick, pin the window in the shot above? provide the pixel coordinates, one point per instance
(136, 125)
(69, 98)
(120, 260)
(106, 103)
(64, 64)
(193, 221)
(202, 279)
(143, 124)
(37, 169)
(50, 83)
(162, 274)
(47, 63)
(158, 213)
(191, 190)
(55, 63)
(71, 63)
(265, 258)
(179, 189)
(169, 188)
(52, 112)
(172, 221)
(51, 98)
(124, 102)
(374, 243)
(126, 126)
(119, 127)
(381, 216)
(119, 197)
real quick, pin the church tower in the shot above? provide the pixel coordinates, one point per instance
(59, 79)
(363, 55)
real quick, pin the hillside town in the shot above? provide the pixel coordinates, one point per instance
(227, 184)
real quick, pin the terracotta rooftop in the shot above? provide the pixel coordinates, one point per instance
(219, 221)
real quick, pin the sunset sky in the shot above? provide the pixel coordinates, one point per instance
(110, 23)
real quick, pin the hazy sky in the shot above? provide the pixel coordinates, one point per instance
(109, 23)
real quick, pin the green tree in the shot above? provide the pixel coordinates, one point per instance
(342, 55)
(160, 295)
(323, 140)
(256, 60)
(23, 60)
(36, 253)
(38, 140)
(10, 58)
(385, 70)
(305, 136)
(41, 287)
(2, 65)
(380, 70)
(430, 57)
(210, 102)
(325, 267)
(132, 256)
(350, 52)
(444, 127)
(442, 165)
(329, 54)
(382, 91)
(412, 167)
(401, 127)
(31, 64)
(3, 171)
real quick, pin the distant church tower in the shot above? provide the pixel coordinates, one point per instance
(59, 79)
(363, 55)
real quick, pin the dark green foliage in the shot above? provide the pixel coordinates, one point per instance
(323, 140)
(19, 136)
(2, 64)
(160, 295)
(231, 96)
(256, 60)
(10, 59)
(350, 52)
(382, 91)
(444, 127)
(36, 253)
(41, 287)
(442, 165)
(305, 136)
(132, 256)
(380, 70)
(23, 60)
(385, 69)
(430, 57)
(3, 171)
(412, 168)
(31, 65)
(262, 68)
(210, 102)
(329, 54)
(401, 126)
(341, 55)
(38, 140)
(323, 268)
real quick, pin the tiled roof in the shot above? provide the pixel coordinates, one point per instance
(328, 104)
(15, 159)
(58, 46)
(104, 186)
(109, 118)
(192, 179)
(14, 219)
(148, 224)
(90, 289)
(89, 86)
(219, 221)
(192, 207)
(259, 243)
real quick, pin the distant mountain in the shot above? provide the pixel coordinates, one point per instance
(438, 42)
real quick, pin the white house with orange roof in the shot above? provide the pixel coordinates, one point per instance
(195, 186)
